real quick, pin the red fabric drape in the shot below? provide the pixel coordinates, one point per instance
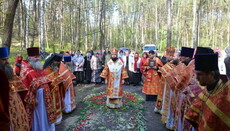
(135, 63)
(4, 101)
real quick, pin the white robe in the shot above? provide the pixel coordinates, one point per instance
(40, 119)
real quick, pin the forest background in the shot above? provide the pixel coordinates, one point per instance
(61, 25)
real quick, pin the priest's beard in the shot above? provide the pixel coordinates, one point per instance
(55, 67)
(114, 59)
(37, 65)
(8, 70)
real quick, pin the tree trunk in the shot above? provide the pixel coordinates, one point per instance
(20, 23)
(71, 27)
(102, 18)
(169, 19)
(42, 25)
(79, 24)
(196, 12)
(27, 15)
(62, 24)
(228, 43)
(34, 24)
(156, 24)
(8, 24)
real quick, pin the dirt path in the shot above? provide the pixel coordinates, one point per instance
(153, 120)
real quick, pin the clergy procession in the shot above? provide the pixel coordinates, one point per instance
(189, 88)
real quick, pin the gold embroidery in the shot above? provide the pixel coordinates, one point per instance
(207, 128)
(215, 109)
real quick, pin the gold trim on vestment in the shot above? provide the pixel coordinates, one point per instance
(206, 127)
(215, 110)
(195, 109)
(190, 119)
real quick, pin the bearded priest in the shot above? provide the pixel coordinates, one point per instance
(38, 100)
(115, 73)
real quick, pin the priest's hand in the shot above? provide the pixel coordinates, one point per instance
(123, 81)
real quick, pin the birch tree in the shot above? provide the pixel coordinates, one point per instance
(9, 22)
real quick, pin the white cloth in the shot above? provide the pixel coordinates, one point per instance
(95, 63)
(131, 65)
(67, 101)
(221, 64)
(58, 121)
(40, 119)
(131, 60)
(78, 62)
(116, 69)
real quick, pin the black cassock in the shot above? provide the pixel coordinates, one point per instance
(87, 69)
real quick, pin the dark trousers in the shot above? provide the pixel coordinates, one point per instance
(135, 78)
(79, 76)
(151, 97)
(88, 73)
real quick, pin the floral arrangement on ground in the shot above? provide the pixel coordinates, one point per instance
(96, 115)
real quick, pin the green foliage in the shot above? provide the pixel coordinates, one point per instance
(134, 16)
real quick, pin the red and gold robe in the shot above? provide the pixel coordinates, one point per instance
(68, 78)
(55, 90)
(109, 75)
(184, 76)
(18, 116)
(210, 111)
(169, 81)
(152, 80)
(177, 74)
(33, 80)
(164, 71)
(190, 94)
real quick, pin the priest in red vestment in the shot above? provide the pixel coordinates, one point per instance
(191, 92)
(69, 91)
(152, 80)
(114, 72)
(38, 106)
(210, 110)
(164, 71)
(17, 112)
(51, 69)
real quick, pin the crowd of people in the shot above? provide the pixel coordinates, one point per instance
(190, 86)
